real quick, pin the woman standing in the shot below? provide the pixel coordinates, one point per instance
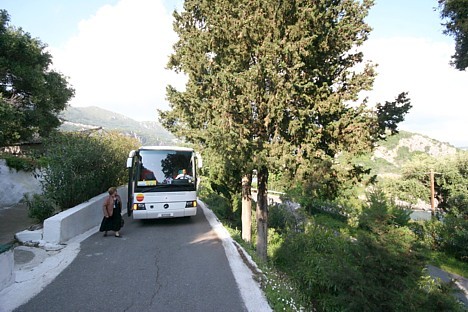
(112, 207)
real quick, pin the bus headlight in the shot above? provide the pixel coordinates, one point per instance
(191, 204)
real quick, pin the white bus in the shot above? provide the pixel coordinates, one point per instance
(162, 182)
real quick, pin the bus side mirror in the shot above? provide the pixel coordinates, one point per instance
(130, 158)
(129, 162)
(199, 161)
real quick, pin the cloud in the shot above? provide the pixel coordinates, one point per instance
(117, 62)
(118, 59)
(437, 90)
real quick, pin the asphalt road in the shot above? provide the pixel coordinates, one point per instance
(157, 265)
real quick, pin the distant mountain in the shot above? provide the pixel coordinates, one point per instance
(388, 157)
(393, 153)
(84, 118)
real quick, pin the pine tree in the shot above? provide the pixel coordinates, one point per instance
(31, 94)
(271, 84)
(455, 16)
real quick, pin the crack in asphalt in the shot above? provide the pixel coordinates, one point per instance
(156, 281)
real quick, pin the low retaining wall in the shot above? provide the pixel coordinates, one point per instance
(7, 273)
(59, 229)
(78, 220)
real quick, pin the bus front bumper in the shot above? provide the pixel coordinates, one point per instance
(149, 214)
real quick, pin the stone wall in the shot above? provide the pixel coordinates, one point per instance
(14, 184)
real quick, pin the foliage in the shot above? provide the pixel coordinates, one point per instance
(376, 164)
(374, 272)
(450, 177)
(270, 87)
(346, 208)
(454, 235)
(284, 218)
(224, 176)
(379, 212)
(19, 163)
(31, 94)
(447, 263)
(455, 13)
(279, 290)
(80, 166)
(452, 182)
(277, 286)
(221, 202)
(40, 207)
(408, 190)
(428, 233)
(325, 269)
(391, 114)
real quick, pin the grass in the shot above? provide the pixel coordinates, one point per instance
(278, 289)
(448, 263)
(281, 292)
(436, 258)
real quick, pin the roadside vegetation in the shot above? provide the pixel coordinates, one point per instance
(325, 256)
(273, 92)
(73, 167)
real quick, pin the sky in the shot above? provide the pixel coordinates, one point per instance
(114, 53)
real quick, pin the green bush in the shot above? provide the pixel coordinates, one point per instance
(283, 219)
(379, 211)
(454, 236)
(19, 163)
(80, 166)
(217, 203)
(408, 190)
(226, 206)
(40, 207)
(275, 240)
(375, 272)
(428, 233)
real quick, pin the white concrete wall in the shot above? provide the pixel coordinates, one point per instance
(78, 220)
(7, 274)
(61, 228)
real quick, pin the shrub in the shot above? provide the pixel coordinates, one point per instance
(375, 272)
(428, 233)
(379, 211)
(80, 166)
(19, 163)
(454, 229)
(283, 218)
(40, 207)
(454, 236)
(226, 206)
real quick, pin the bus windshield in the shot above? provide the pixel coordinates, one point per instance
(164, 170)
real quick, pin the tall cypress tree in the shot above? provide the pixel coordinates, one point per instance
(273, 83)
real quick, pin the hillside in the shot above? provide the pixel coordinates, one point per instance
(392, 154)
(389, 156)
(148, 132)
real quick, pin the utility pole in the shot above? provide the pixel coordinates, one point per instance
(432, 194)
(432, 173)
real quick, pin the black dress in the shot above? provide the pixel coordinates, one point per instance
(113, 223)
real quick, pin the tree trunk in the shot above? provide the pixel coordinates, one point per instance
(247, 208)
(262, 213)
